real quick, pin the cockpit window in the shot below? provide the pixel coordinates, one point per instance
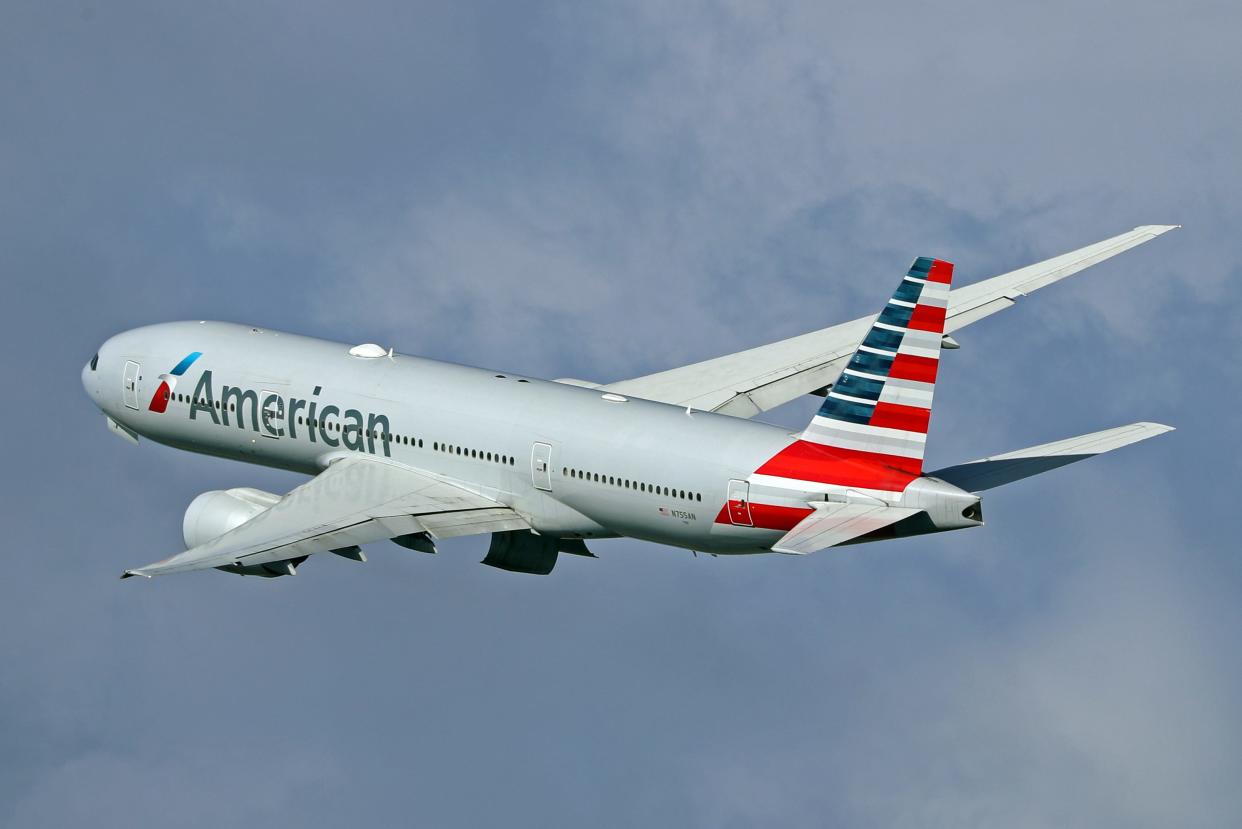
(94, 362)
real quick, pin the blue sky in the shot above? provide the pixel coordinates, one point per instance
(600, 192)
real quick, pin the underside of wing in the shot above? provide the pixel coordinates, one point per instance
(354, 501)
(833, 524)
(758, 379)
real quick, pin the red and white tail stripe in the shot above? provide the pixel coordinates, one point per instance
(871, 431)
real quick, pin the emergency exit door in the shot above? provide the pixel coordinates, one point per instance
(541, 466)
(272, 415)
(739, 504)
(129, 384)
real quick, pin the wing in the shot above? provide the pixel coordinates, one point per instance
(753, 381)
(997, 470)
(354, 501)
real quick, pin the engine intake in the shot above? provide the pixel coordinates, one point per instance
(214, 513)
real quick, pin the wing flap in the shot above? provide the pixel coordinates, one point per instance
(354, 501)
(997, 470)
(473, 522)
(956, 319)
(832, 524)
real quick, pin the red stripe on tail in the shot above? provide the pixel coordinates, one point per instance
(910, 367)
(894, 416)
(941, 271)
(807, 461)
(927, 318)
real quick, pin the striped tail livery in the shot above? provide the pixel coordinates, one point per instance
(879, 408)
(870, 433)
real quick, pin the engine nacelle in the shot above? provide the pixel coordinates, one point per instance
(214, 513)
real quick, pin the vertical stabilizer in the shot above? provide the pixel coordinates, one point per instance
(881, 404)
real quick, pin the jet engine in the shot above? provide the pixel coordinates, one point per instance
(214, 513)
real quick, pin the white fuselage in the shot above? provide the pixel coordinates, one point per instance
(613, 467)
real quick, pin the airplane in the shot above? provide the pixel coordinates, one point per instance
(416, 450)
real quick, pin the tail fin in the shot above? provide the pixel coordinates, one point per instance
(881, 403)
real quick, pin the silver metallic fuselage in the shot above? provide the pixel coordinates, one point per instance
(471, 411)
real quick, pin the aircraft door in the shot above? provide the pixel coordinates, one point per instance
(129, 384)
(541, 466)
(739, 504)
(272, 414)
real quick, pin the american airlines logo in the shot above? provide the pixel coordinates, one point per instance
(168, 382)
(275, 416)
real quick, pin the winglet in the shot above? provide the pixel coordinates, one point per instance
(131, 573)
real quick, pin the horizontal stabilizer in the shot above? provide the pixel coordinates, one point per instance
(997, 470)
(832, 524)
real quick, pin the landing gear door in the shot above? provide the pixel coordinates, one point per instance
(739, 504)
(541, 466)
(129, 384)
